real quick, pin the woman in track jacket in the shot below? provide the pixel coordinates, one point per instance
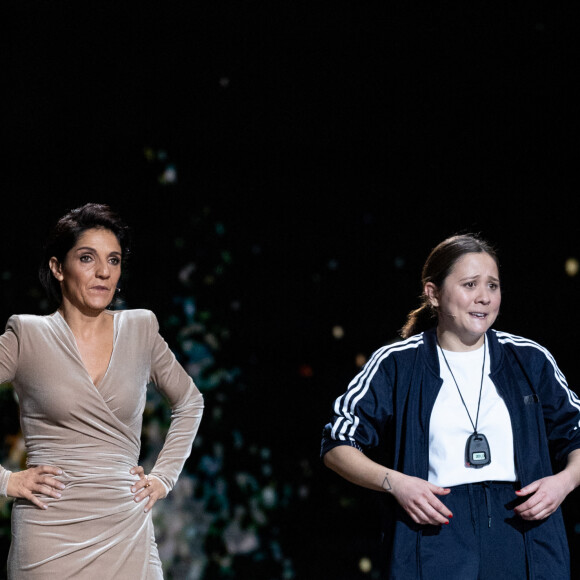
(473, 434)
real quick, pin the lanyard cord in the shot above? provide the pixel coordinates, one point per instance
(459, 391)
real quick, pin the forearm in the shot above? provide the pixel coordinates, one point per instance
(416, 496)
(571, 473)
(357, 468)
(184, 425)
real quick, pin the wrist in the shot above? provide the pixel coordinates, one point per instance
(4, 477)
(387, 485)
(569, 480)
(390, 480)
(167, 490)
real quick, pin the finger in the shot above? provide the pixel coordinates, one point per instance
(439, 518)
(531, 509)
(51, 470)
(143, 483)
(46, 479)
(141, 495)
(50, 491)
(150, 504)
(441, 490)
(528, 489)
(38, 503)
(537, 515)
(138, 470)
(42, 470)
(548, 511)
(441, 508)
(143, 489)
(436, 519)
(529, 504)
(55, 483)
(523, 509)
(139, 487)
(430, 515)
(35, 500)
(44, 485)
(419, 517)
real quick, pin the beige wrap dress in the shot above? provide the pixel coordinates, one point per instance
(96, 530)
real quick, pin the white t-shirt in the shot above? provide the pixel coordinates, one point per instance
(450, 426)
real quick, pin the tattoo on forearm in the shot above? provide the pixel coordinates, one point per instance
(386, 483)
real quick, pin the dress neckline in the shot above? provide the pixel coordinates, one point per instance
(59, 318)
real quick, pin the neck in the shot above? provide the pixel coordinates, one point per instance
(82, 321)
(451, 341)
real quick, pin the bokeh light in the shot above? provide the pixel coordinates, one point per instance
(365, 565)
(338, 332)
(360, 359)
(572, 266)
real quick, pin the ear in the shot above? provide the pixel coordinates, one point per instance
(432, 294)
(56, 269)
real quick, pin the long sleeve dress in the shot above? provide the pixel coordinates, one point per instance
(95, 530)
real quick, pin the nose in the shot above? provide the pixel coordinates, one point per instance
(483, 297)
(102, 270)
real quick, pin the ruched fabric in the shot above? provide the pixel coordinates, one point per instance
(95, 531)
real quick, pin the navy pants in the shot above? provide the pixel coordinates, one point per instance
(483, 541)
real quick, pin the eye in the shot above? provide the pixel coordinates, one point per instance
(86, 258)
(115, 261)
(470, 284)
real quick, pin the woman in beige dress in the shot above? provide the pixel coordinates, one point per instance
(83, 505)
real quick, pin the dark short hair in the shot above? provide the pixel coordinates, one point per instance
(65, 234)
(437, 267)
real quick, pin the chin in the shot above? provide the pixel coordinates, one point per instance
(478, 332)
(98, 306)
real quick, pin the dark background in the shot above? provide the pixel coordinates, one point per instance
(336, 143)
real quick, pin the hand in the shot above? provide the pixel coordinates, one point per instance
(147, 487)
(419, 499)
(547, 494)
(35, 480)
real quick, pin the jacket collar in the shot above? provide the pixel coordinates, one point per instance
(432, 360)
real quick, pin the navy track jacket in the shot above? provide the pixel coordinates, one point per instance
(385, 413)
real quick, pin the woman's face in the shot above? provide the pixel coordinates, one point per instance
(91, 270)
(468, 301)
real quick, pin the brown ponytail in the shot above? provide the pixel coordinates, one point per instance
(419, 319)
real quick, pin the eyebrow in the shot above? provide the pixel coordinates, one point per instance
(478, 276)
(88, 248)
